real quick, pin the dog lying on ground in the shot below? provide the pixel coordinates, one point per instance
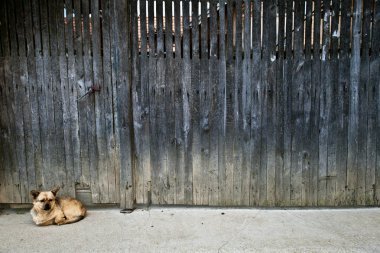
(49, 209)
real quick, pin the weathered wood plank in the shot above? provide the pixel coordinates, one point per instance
(256, 104)
(214, 117)
(137, 107)
(353, 125)
(170, 104)
(121, 68)
(229, 142)
(6, 135)
(221, 104)
(365, 161)
(98, 81)
(195, 107)
(375, 64)
(180, 169)
(4, 37)
(237, 106)
(343, 107)
(187, 102)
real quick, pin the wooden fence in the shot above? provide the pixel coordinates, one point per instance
(222, 103)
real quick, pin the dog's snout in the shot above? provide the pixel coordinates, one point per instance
(46, 207)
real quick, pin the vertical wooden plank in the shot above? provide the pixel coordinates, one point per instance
(375, 62)
(214, 117)
(375, 77)
(57, 140)
(315, 105)
(204, 107)
(196, 110)
(170, 102)
(35, 149)
(270, 89)
(136, 89)
(97, 63)
(7, 140)
(353, 125)
(180, 183)
(136, 96)
(229, 128)
(20, 78)
(122, 100)
(187, 103)
(288, 80)
(73, 167)
(89, 101)
(364, 189)
(307, 102)
(256, 104)
(325, 105)
(343, 106)
(237, 106)
(246, 104)
(280, 106)
(106, 23)
(221, 104)
(152, 103)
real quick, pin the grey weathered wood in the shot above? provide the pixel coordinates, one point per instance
(215, 118)
(195, 107)
(353, 120)
(187, 103)
(180, 169)
(4, 37)
(256, 104)
(365, 183)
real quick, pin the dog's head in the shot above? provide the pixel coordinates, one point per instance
(44, 200)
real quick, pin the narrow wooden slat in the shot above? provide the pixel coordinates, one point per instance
(229, 142)
(145, 104)
(365, 182)
(246, 104)
(237, 107)
(375, 79)
(195, 107)
(307, 155)
(32, 113)
(270, 89)
(221, 103)
(280, 109)
(187, 103)
(325, 105)
(122, 100)
(288, 79)
(7, 140)
(82, 175)
(74, 168)
(214, 117)
(353, 125)
(35, 9)
(88, 103)
(180, 170)
(97, 68)
(256, 104)
(315, 105)
(343, 106)
(137, 114)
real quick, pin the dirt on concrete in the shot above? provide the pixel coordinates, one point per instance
(162, 229)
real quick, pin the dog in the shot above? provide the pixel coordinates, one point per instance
(49, 209)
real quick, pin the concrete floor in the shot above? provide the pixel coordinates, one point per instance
(160, 229)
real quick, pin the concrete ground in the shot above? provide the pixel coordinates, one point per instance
(162, 229)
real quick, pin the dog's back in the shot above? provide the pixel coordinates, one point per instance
(72, 209)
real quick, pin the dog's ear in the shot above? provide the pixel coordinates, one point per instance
(34, 193)
(55, 190)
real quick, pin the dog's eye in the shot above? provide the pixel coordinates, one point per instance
(50, 200)
(41, 200)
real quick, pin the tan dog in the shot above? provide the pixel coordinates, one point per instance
(49, 209)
